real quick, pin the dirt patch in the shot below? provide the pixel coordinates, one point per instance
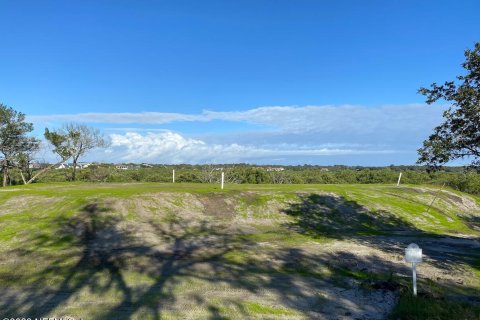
(438, 265)
(462, 203)
(159, 206)
(356, 303)
(19, 204)
(217, 205)
(147, 216)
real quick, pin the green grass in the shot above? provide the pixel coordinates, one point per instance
(428, 308)
(259, 309)
(269, 243)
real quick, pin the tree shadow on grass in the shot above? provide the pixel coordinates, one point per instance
(332, 216)
(315, 286)
(473, 222)
(92, 256)
(102, 250)
(328, 215)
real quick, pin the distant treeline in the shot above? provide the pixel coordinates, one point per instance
(455, 177)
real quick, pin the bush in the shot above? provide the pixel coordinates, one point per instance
(453, 177)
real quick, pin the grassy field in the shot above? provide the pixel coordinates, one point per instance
(193, 251)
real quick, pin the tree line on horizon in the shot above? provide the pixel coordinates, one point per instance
(454, 177)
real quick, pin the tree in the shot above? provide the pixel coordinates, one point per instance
(25, 161)
(459, 135)
(99, 173)
(73, 141)
(209, 173)
(278, 177)
(14, 139)
(232, 175)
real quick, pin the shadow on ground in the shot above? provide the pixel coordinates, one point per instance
(107, 251)
(335, 217)
(332, 216)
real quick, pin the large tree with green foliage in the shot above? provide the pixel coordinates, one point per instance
(74, 140)
(458, 136)
(14, 139)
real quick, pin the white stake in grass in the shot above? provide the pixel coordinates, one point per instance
(399, 178)
(173, 176)
(413, 254)
(223, 177)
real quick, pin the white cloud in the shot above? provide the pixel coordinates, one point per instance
(326, 118)
(289, 132)
(170, 147)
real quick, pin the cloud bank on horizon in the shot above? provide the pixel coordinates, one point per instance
(346, 134)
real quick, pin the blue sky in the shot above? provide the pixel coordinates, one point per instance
(284, 82)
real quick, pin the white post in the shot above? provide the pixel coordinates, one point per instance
(414, 271)
(173, 175)
(399, 177)
(413, 254)
(223, 177)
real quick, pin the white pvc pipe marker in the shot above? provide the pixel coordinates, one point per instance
(223, 177)
(399, 177)
(413, 254)
(414, 275)
(173, 175)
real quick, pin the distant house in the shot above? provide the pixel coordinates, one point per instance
(62, 166)
(324, 169)
(80, 165)
(83, 165)
(274, 168)
(122, 167)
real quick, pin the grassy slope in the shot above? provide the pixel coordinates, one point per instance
(57, 242)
